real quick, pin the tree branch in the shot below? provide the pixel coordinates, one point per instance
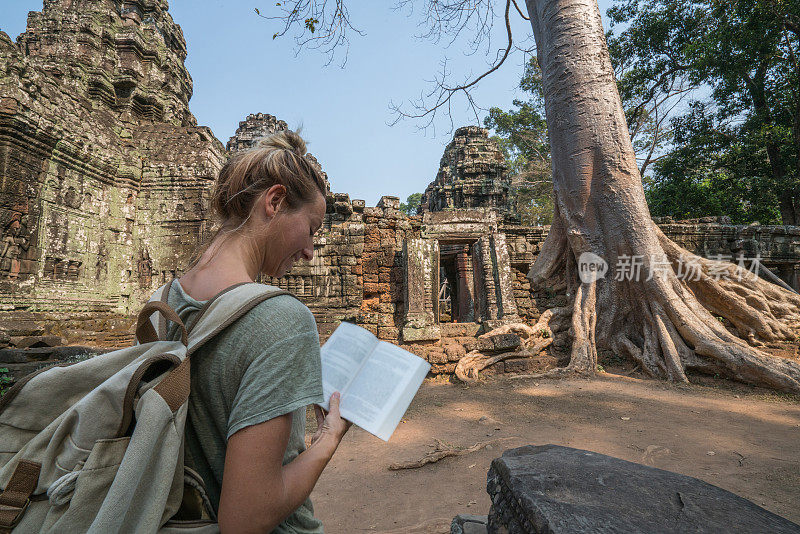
(521, 14)
(320, 25)
(444, 93)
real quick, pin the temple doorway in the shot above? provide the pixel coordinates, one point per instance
(456, 284)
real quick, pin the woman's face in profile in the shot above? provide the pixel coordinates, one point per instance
(290, 236)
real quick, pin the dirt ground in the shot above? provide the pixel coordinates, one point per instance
(743, 439)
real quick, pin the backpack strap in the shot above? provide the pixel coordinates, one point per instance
(14, 500)
(162, 320)
(199, 315)
(146, 332)
(175, 387)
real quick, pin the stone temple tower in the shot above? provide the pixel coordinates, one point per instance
(258, 125)
(104, 174)
(254, 127)
(472, 174)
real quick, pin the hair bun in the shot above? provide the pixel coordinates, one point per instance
(286, 140)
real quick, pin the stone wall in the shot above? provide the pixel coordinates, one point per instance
(104, 175)
(356, 273)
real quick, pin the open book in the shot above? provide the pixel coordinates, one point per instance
(376, 379)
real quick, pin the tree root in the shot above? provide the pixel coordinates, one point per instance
(713, 320)
(441, 451)
(534, 339)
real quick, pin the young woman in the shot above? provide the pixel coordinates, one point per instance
(251, 384)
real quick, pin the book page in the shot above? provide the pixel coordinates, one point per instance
(342, 356)
(379, 395)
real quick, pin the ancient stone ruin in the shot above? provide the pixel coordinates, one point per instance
(105, 173)
(253, 128)
(105, 181)
(473, 174)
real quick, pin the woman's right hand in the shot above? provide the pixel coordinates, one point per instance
(330, 426)
(258, 491)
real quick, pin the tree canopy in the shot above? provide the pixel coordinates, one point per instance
(521, 133)
(410, 206)
(736, 149)
(710, 94)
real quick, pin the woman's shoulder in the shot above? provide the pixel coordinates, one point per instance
(279, 317)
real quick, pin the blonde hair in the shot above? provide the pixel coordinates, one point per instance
(277, 159)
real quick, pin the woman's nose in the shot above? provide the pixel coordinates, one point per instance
(308, 253)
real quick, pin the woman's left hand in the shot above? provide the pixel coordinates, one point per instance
(330, 425)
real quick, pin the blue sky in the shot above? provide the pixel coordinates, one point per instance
(239, 69)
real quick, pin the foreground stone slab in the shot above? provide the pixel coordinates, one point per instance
(553, 489)
(468, 524)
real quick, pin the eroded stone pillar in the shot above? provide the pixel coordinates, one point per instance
(466, 305)
(492, 274)
(421, 258)
(485, 294)
(507, 306)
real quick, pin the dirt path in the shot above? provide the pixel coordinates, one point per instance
(739, 438)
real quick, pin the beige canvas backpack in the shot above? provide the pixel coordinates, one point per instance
(97, 446)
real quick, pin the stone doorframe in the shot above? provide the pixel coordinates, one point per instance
(493, 293)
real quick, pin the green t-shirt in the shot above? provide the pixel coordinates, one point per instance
(265, 365)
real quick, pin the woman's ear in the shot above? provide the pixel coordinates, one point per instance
(273, 199)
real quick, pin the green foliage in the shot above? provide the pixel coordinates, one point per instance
(736, 150)
(521, 134)
(712, 172)
(5, 380)
(410, 206)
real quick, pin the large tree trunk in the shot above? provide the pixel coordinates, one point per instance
(667, 323)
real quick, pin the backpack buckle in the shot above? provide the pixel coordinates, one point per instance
(17, 494)
(17, 520)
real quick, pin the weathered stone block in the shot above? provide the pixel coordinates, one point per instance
(454, 352)
(371, 304)
(343, 208)
(21, 328)
(427, 333)
(370, 286)
(388, 333)
(469, 524)
(447, 368)
(553, 489)
(460, 329)
(389, 202)
(393, 213)
(24, 342)
(367, 318)
(437, 356)
(498, 343)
